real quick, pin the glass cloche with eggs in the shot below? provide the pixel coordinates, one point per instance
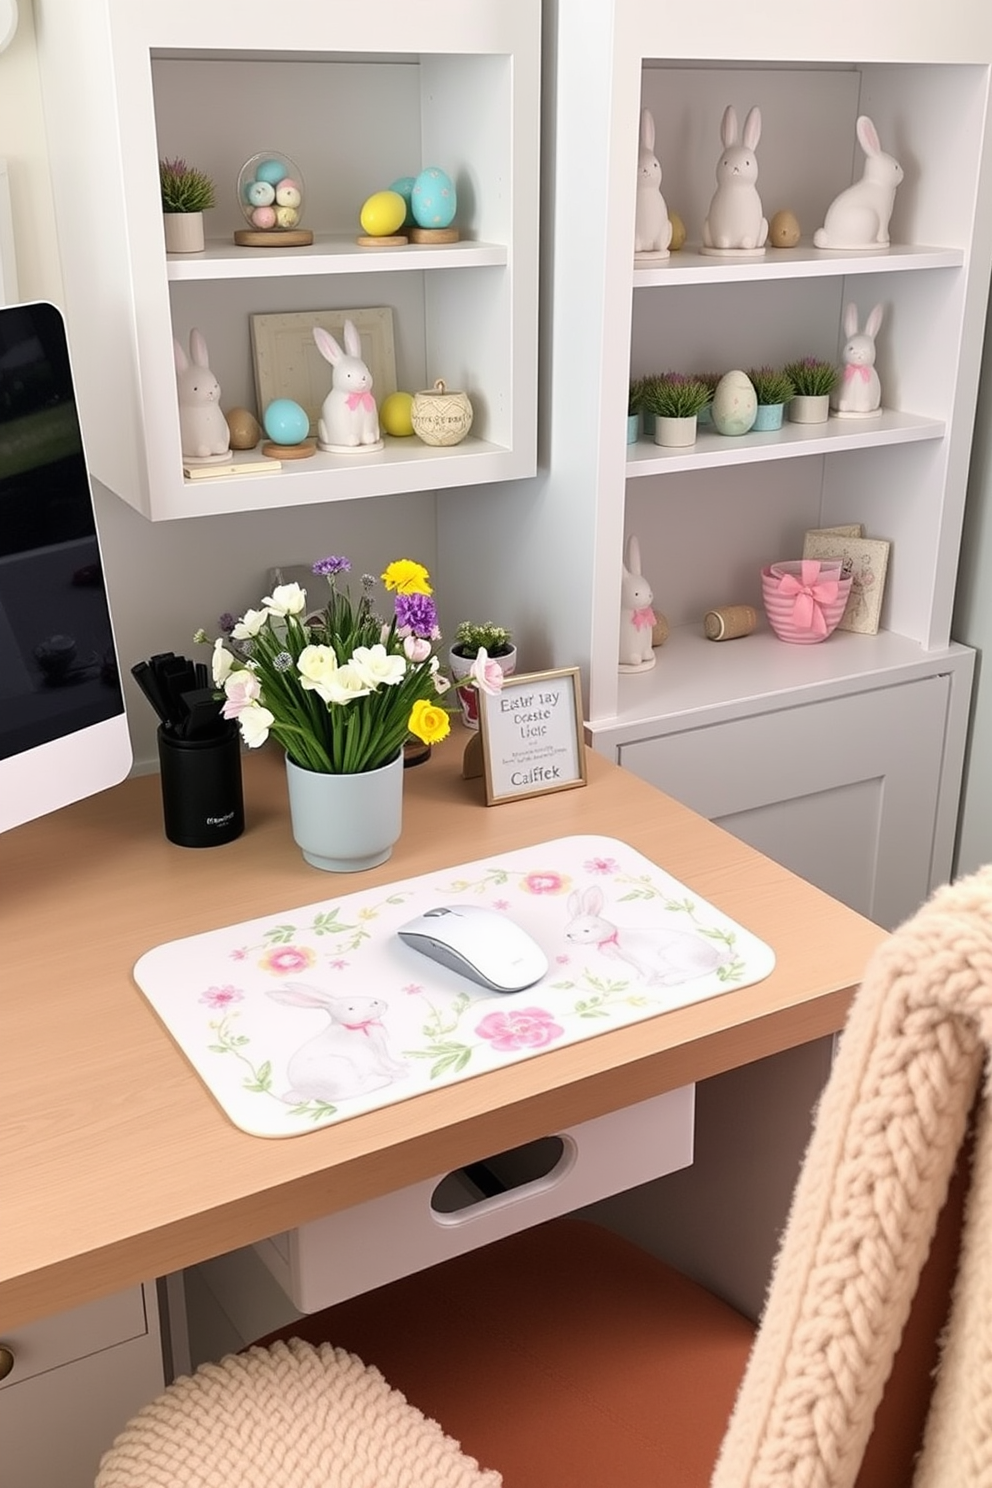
(271, 195)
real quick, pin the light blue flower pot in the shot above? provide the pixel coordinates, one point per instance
(768, 416)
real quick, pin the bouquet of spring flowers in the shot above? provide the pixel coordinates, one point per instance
(342, 687)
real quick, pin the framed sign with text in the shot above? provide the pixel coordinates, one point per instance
(531, 735)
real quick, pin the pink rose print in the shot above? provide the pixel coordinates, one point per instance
(545, 883)
(220, 997)
(524, 1028)
(600, 865)
(285, 960)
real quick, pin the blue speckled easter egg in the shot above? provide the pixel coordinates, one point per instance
(403, 186)
(272, 171)
(433, 198)
(286, 422)
(260, 193)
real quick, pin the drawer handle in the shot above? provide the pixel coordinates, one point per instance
(6, 1360)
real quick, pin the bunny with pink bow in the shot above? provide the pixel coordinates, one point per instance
(858, 392)
(349, 418)
(637, 618)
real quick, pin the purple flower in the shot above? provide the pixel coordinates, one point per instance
(227, 622)
(416, 613)
(331, 566)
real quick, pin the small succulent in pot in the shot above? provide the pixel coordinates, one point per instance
(676, 395)
(185, 188)
(810, 377)
(771, 385)
(471, 638)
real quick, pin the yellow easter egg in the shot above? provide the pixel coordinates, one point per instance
(678, 232)
(783, 230)
(383, 214)
(394, 414)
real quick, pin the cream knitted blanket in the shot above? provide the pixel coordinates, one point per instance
(874, 1178)
(288, 1416)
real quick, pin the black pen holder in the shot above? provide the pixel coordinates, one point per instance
(202, 799)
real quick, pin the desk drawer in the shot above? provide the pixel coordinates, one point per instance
(373, 1243)
(54, 1341)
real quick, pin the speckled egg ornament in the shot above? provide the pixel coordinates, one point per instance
(270, 194)
(735, 404)
(403, 186)
(434, 202)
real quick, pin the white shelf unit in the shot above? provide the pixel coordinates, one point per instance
(126, 85)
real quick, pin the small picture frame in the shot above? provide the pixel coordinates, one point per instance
(532, 737)
(866, 559)
(288, 364)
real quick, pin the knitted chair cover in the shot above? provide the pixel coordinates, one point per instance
(887, 1132)
(287, 1416)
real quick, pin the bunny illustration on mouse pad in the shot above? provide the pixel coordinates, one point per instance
(312, 1015)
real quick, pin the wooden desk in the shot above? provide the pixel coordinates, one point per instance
(115, 1163)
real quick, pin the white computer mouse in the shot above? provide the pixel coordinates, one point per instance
(480, 943)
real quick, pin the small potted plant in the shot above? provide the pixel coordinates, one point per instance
(774, 389)
(710, 380)
(635, 400)
(187, 192)
(675, 399)
(481, 655)
(812, 383)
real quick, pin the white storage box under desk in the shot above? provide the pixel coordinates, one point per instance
(402, 1232)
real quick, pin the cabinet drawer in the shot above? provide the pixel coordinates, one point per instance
(373, 1243)
(85, 1330)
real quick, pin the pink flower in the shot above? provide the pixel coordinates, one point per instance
(284, 960)
(486, 674)
(413, 989)
(220, 997)
(338, 964)
(524, 1028)
(563, 960)
(545, 883)
(501, 904)
(600, 865)
(239, 954)
(242, 689)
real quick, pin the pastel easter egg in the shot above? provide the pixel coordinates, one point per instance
(264, 217)
(403, 186)
(288, 194)
(678, 232)
(394, 414)
(735, 404)
(260, 193)
(272, 171)
(383, 214)
(285, 421)
(433, 200)
(783, 230)
(244, 428)
(287, 217)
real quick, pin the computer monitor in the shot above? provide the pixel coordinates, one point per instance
(63, 730)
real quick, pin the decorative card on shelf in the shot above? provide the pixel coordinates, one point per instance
(846, 529)
(288, 364)
(866, 559)
(315, 1014)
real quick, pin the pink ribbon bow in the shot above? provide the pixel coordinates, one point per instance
(809, 593)
(364, 1026)
(361, 400)
(850, 372)
(643, 618)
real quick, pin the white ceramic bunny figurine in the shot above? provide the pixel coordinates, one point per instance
(858, 392)
(859, 217)
(735, 222)
(637, 618)
(349, 419)
(652, 228)
(347, 1058)
(203, 430)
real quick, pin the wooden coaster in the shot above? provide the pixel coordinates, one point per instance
(291, 237)
(301, 451)
(434, 235)
(390, 240)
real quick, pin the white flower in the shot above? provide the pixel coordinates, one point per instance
(255, 722)
(344, 685)
(416, 649)
(441, 683)
(316, 664)
(285, 599)
(487, 675)
(221, 663)
(377, 667)
(249, 625)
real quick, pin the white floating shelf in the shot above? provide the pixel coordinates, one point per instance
(223, 259)
(690, 266)
(792, 441)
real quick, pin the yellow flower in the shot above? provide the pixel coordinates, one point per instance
(407, 577)
(429, 722)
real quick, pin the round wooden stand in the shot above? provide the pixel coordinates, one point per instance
(301, 451)
(388, 240)
(433, 235)
(291, 237)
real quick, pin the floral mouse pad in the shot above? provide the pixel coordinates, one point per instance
(312, 1015)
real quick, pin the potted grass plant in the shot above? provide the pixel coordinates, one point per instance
(774, 389)
(675, 399)
(635, 400)
(812, 383)
(187, 192)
